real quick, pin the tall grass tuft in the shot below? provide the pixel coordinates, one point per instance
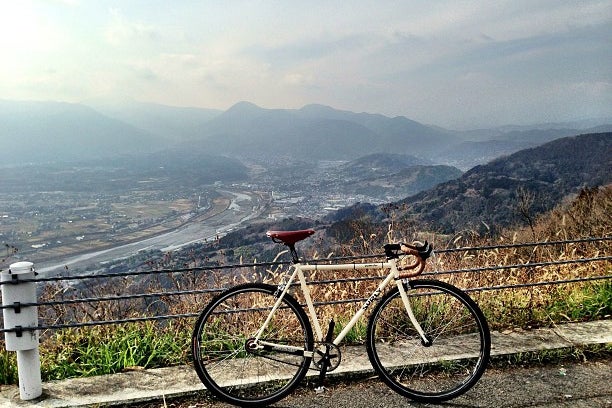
(83, 352)
(8, 367)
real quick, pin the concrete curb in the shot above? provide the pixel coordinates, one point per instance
(147, 385)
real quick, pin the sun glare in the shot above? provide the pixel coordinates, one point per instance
(21, 30)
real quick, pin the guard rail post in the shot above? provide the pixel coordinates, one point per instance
(15, 293)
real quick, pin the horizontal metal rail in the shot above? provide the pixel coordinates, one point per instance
(176, 293)
(310, 261)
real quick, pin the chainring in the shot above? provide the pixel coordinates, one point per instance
(335, 356)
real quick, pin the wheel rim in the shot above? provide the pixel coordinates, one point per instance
(220, 347)
(447, 367)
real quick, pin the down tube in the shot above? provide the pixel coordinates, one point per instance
(415, 323)
(375, 295)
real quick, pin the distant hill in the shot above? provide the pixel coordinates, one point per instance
(37, 132)
(318, 132)
(389, 162)
(175, 124)
(395, 132)
(390, 176)
(468, 154)
(187, 167)
(54, 131)
(502, 142)
(323, 133)
(489, 195)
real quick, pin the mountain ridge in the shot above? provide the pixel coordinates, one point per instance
(538, 178)
(48, 131)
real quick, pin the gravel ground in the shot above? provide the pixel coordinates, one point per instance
(562, 384)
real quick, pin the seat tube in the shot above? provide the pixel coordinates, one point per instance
(309, 304)
(285, 288)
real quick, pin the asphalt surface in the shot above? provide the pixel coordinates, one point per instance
(353, 384)
(563, 384)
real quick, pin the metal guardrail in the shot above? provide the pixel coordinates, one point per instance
(20, 307)
(203, 269)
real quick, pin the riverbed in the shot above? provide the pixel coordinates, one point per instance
(242, 208)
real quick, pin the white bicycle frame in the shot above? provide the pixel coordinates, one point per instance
(298, 271)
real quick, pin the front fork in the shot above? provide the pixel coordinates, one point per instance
(403, 286)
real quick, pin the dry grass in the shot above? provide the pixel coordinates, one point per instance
(589, 215)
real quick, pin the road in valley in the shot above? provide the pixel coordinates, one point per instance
(242, 208)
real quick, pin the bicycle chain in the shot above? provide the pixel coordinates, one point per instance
(315, 363)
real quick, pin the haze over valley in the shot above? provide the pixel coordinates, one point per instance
(133, 128)
(70, 193)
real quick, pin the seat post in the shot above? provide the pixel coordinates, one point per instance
(294, 256)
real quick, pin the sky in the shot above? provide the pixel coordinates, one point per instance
(456, 64)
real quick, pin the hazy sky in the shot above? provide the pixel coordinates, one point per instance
(448, 63)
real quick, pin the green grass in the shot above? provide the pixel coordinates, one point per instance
(105, 350)
(8, 367)
(590, 302)
(357, 334)
(90, 351)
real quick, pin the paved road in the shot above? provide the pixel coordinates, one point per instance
(568, 384)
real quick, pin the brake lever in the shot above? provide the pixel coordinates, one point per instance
(425, 250)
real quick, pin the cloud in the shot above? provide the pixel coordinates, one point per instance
(301, 50)
(298, 79)
(122, 32)
(443, 62)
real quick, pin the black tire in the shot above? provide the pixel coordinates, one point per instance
(460, 342)
(247, 378)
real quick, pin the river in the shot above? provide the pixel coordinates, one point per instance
(242, 208)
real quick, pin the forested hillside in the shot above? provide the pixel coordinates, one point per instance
(516, 188)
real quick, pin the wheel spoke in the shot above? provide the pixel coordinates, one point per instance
(457, 355)
(241, 376)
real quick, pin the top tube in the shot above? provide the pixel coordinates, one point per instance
(345, 266)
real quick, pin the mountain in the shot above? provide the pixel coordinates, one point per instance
(504, 141)
(468, 154)
(396, 131)
(55, 131)
(523, 184)
(171, 123)
(317, 132)
(390, 176)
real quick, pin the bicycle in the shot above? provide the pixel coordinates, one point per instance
(426, 339)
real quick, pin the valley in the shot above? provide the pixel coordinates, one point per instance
(72, 197)
(83, 222)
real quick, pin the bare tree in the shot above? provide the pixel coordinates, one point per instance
(525, 201)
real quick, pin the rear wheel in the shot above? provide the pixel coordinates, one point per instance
(230, 364)
(455, 354)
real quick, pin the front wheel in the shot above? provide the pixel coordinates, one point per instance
(229, 361)
(449, 361)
